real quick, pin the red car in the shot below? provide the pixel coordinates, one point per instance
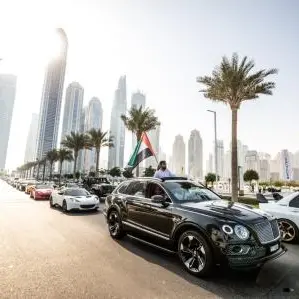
(41, 191)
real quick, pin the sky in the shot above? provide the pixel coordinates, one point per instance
(161, 46)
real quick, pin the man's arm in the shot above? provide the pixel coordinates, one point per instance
(156, 175)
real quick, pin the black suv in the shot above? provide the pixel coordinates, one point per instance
(182, 216)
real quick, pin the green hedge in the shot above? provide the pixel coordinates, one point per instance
(245, 200)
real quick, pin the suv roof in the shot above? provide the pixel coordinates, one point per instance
(163, 179)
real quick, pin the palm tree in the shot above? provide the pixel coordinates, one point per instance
(231, 83)
(64, 155)
(76, 142)
(99, 139)
(139, 121)
(52, 156)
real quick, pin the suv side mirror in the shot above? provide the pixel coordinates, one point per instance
(60, 193)
(159, 199)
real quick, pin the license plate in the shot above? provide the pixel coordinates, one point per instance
(274, 248)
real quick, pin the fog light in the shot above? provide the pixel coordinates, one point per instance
(237, 249)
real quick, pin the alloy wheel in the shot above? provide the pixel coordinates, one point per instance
(113, 223)
(287, 230)
(192, 253)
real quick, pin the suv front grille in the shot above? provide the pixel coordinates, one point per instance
(267, 231)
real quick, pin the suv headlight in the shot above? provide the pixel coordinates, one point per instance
(241, 232)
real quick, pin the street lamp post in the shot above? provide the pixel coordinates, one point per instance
(215, 136)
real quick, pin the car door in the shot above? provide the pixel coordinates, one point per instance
(135, 205)
(152, 218)
(160, 219)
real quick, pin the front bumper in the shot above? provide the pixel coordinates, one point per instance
(83, 206)
(262, 256)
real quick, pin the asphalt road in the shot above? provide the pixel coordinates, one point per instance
(47, 254)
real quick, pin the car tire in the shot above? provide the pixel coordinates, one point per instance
(52, 206)
(195, 253)
(115, 226)
(64, 207)
(289, 230)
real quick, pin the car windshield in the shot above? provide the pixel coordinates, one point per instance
(76, 192)
(188, 191)
(70, 185)
(43, 187)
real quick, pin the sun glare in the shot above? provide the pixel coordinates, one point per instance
(53, 46)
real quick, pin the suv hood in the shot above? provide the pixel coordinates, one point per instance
(227, 210)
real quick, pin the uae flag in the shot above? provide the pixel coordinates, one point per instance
(142, 151)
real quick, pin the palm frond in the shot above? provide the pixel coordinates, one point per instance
(233, 81)
(140, 120)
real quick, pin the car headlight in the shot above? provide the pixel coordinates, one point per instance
(74, 200)
(241, 232)
(96, 198)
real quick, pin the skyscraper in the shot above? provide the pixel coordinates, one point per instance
(72, 115)
(93, 120)
(117, 127)
(179, 155)
(7, 99)
(195, 155)
(50, 106)
(72, 109)
(30, 151)
(137, 100)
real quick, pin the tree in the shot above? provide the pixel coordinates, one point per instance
(278, 184)
(210, 178)
(250, 175)
(99, 139)
(139, 121)
(149, 171)
(115, 171)
(233, 82)
(64, 155)
(128, 173)
(92, 174)
(52, 156)
(76, 142)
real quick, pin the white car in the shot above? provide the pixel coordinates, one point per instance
(74, 199)
(286, 210)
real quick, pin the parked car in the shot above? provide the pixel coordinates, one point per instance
(286, 210)
(74, 199)
(29, 186)
(182, 216)
(99, 186)
(42, 191)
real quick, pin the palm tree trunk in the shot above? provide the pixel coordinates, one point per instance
(37, 174)
(44, 171)
(97, 162)
(60, 171)
(75, 164)
(234, 155)
(51, 169)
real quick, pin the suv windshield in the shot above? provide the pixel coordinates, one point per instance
(76, 192)
(188, 191)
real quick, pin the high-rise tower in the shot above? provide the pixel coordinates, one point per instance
(7, 98)
(50, 107)
(117, 127)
